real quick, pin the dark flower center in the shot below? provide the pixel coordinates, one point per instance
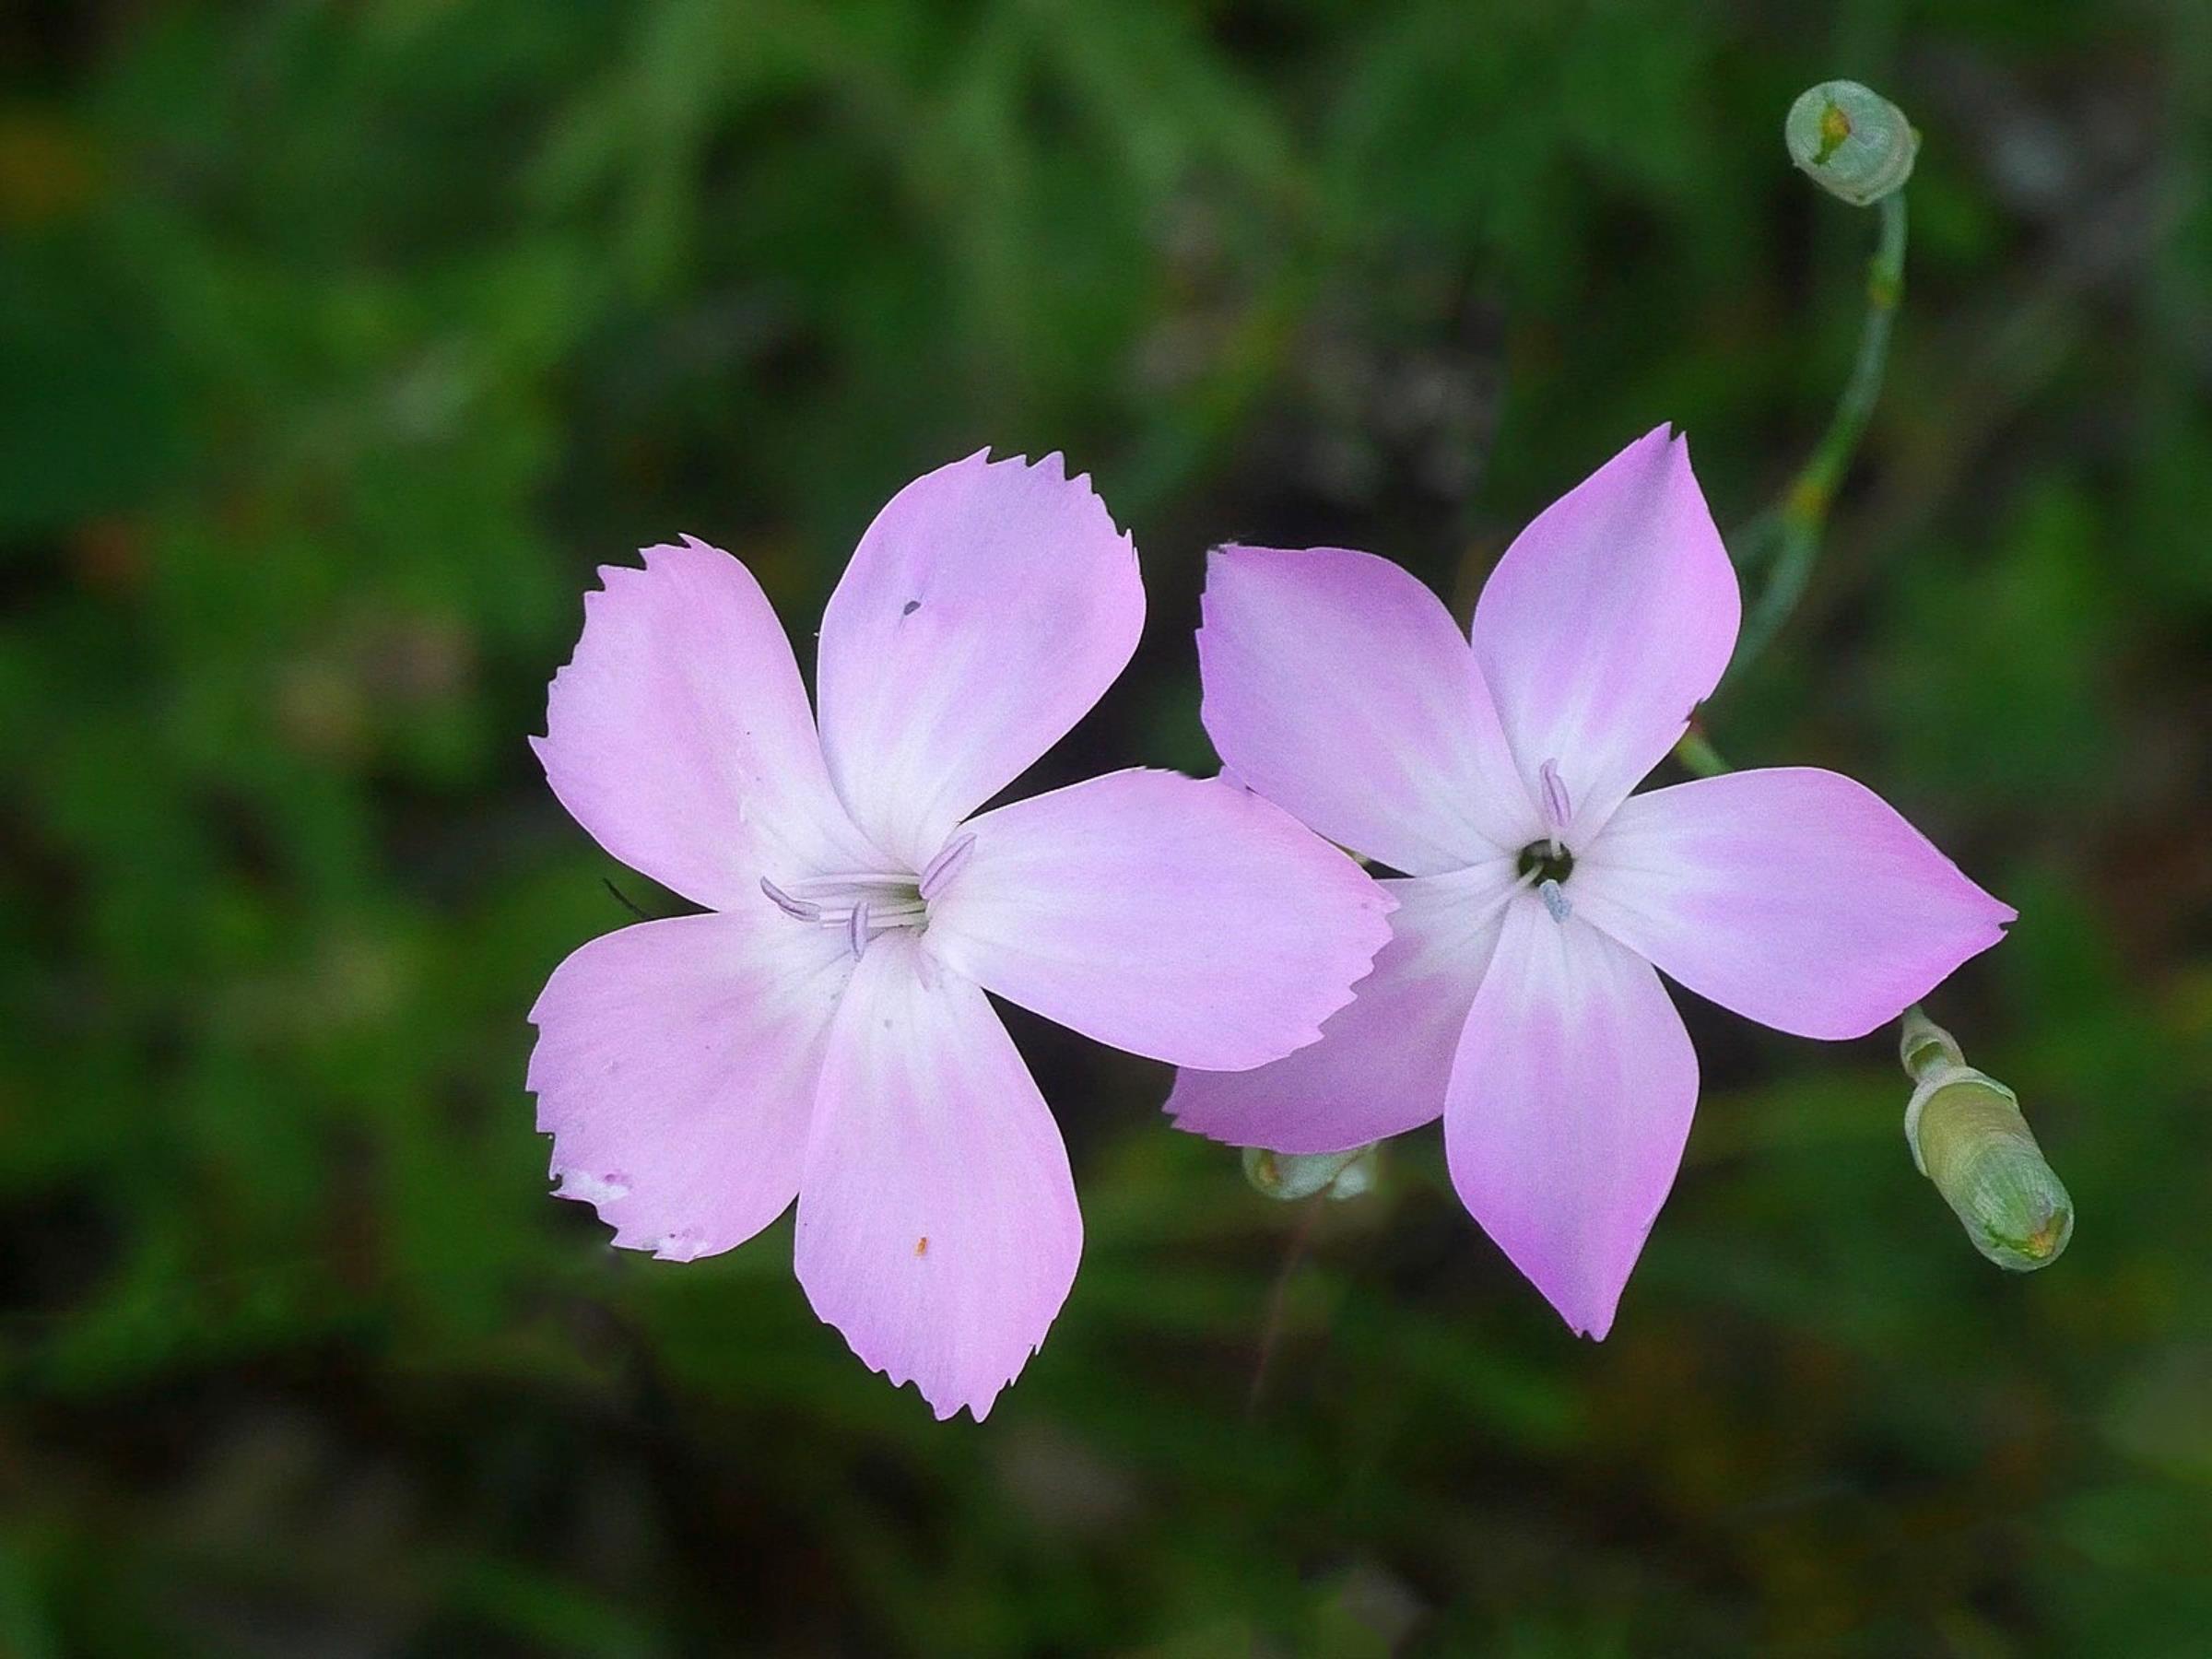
(1546, 861)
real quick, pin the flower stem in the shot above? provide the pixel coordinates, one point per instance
(1696, 753)
(1793, 527)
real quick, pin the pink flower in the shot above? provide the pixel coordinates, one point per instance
(1518, 996)
(823, 1031)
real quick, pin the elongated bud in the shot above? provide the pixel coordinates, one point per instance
(1851, 141)
(1288, 1175)
(1968, 1136)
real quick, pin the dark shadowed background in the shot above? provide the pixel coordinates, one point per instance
(340, 342)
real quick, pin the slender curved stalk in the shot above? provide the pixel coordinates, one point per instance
(1796, 523)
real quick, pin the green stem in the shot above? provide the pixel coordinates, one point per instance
(1801, 517)
(1697, 754)
(1923, 1043)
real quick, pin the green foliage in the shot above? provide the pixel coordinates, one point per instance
(338, 343)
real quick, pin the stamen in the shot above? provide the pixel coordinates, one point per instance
(1555, 899)
(843, 881)
(946, 865)
(798, 909)
(863, 904)
(1559, 806)
(895, 915)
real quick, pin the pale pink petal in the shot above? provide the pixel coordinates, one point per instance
(1179, 918)
(1384, 1061)
(679, 734)
(1793, 897)
(1606, 621)
(938, 1221)
(1338, 686)
(986, 610)
(675, 1068)
(1570, 1103)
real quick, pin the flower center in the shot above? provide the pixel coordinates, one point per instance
(1546, 860)
(1547, 864)
(867, 902)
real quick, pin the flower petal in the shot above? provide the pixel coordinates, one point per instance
(1338, 686)
(986, 610)
(1175, 917)
(1606, 622)
(1383, 1062)
(1570, 1101)
(1795, 897)
(675, 1068)
(679, 734)
(937, 1221)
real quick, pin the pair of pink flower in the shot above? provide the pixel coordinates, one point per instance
(823, 1031)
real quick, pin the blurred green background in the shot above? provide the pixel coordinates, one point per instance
(340, 342)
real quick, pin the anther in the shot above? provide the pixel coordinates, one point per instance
(946, 865)
(1559, 806)
(1555, 899)
(858, 935)
(798, 909)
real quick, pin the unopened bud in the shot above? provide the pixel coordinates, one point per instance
(1288, 1175)
(1969, 1137)
(1851, 141)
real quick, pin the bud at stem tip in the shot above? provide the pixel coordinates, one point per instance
(1969, 1137)
(1851, 141)
(1291, 1175)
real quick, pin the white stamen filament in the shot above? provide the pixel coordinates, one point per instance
(840, 880)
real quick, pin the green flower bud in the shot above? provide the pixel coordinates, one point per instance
(1969, 1137)
(1288, 1175)
(1851, 141)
